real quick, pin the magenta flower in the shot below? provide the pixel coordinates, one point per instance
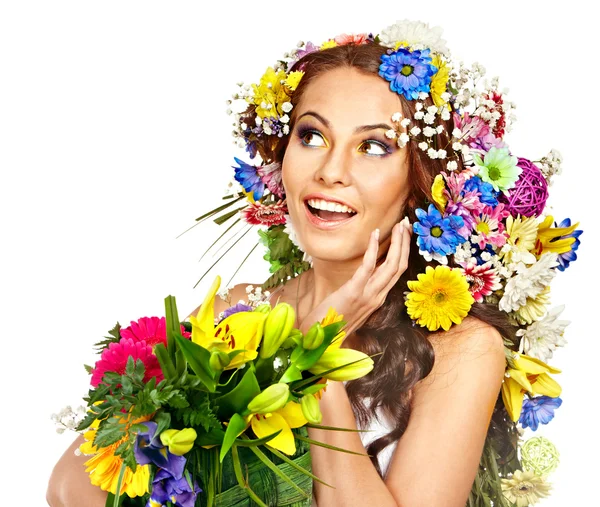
(114, 358)
(271, 176)
(471, 127)
(152, 330)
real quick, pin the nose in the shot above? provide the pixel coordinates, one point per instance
(335, 168)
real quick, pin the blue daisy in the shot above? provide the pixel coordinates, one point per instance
(566, 258)
(437, 234)
(247, 176)
(488, 195)
(538, 410)
(409, 72)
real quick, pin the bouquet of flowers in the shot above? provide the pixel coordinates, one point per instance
(212, 411)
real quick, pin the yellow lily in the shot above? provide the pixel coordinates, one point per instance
(546, 234)
(530, 375)
(284, 419)
(240, 331)
(331, 317)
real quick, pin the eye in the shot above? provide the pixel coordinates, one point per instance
(380, 148)
(311, 138)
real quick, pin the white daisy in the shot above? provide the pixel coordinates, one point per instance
(416, 33)
(543, 337)
(528, 282)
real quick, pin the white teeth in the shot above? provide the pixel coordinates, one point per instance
(330, 206)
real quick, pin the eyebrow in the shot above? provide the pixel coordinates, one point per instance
(357, 130)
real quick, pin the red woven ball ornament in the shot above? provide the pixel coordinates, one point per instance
(529, 195)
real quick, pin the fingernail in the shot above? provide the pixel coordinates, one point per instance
(377, 234)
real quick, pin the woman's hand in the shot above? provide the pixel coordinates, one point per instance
(366, 291)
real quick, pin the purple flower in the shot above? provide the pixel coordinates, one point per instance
(240, 307)
(438, 234)
(487, 141)
(149, 449)
(409, 72)
(566, 258)
(179, 492)
(247, 176)
(538, 410)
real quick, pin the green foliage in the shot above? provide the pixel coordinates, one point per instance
(284, 257)
(114, 337)
(199, 410)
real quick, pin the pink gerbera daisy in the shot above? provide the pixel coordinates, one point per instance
(483, 279)
(489, 228)
(152, 330)
(263, 214)
(114, 358)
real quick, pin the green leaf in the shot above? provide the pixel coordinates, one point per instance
(163, 421)
(291, 374)
(236, 425)
(277, 471)
(172, 324)
(88, 368)
(238, 398)
(310, 357)
(237, 468)
(199, 360)
(253, 442)
(327, 446)
(295, 465)
(166, 364)
(313, 389)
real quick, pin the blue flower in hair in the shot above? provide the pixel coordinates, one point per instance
(247, 176)
(409, 72)
(564, 259)
(437, 234)
(488, 194)
(538, 410)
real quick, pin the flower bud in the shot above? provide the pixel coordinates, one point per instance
(340, 357)
(219, 360)
(314, 337)
(271, 399)
(178, 441)
(311, 409)
(278, 325)
(293, 339)
(264, 308)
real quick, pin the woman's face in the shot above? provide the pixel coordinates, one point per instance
(338, 153)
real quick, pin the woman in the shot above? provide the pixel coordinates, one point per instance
(350, 172)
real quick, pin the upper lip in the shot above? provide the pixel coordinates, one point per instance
(329, 198)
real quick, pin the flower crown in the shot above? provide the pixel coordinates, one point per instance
(485, 229)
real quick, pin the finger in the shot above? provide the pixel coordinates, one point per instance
(404, 256)
(365, 270)
(388, 270)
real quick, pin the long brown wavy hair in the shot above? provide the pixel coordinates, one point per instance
(405, 353)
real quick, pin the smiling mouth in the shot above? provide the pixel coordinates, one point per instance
(329, 215)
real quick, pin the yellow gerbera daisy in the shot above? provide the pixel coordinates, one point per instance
(525, 488)
(439, 297)
(439, 81)
(104, 467)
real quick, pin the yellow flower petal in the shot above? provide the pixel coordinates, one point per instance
(512, 395)
(533, 365)
(204, 323)
(545, 384)
(265, 425)
(292, 413)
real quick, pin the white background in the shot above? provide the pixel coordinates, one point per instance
(114, 137)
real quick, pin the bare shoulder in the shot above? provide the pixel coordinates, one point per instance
(473, 349)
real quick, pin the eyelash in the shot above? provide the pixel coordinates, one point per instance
(302, 131)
